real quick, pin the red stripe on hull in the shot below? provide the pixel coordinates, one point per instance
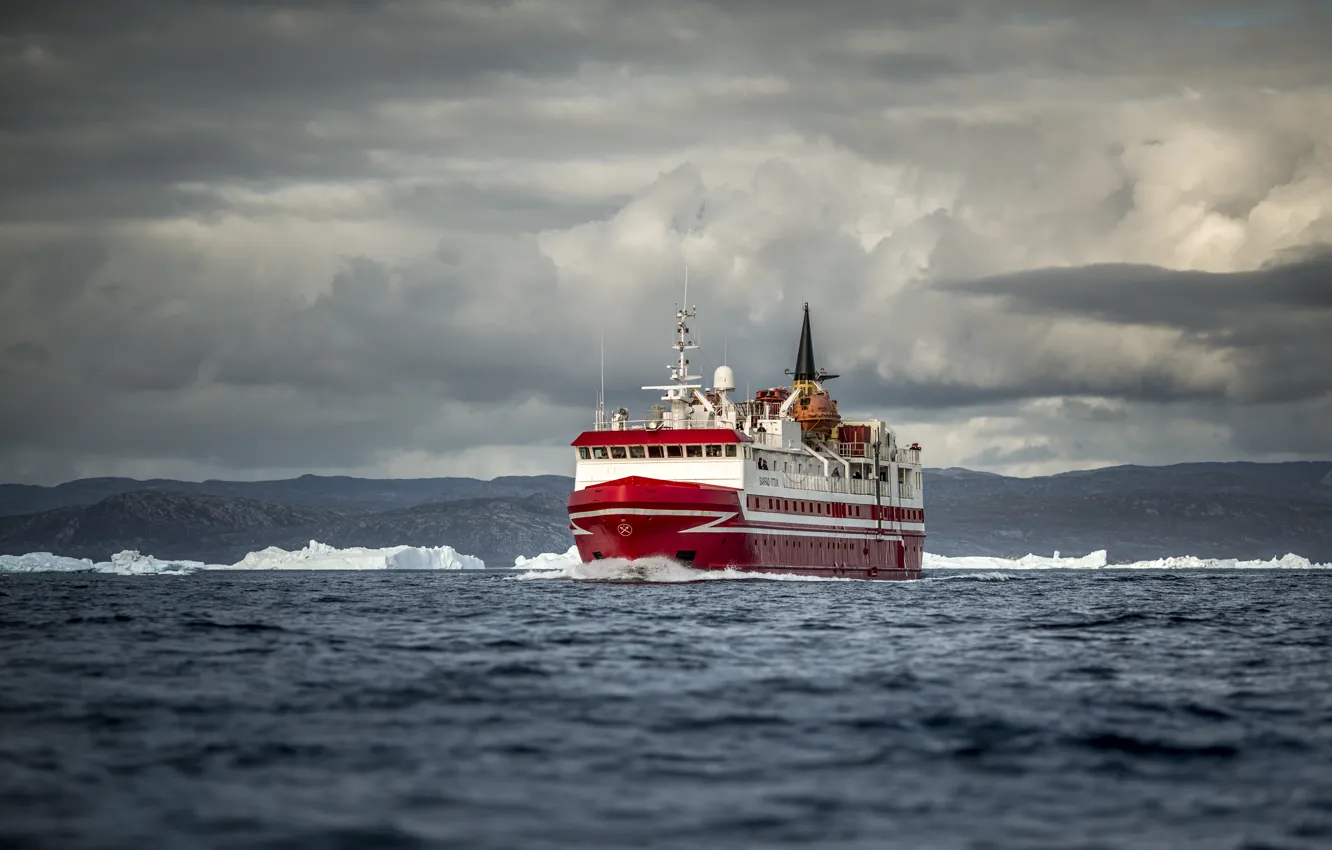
(705, 528)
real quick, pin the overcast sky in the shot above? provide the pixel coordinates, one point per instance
(263, 239)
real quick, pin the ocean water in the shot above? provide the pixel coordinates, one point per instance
(472, 710)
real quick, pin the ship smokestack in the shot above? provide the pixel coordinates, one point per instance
(804, 370)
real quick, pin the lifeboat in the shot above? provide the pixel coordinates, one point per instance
(816, 412)
(771, 400)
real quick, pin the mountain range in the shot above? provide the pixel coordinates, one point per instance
(1220, 510)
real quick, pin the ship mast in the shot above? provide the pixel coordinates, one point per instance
(681, 389)
(680, 392)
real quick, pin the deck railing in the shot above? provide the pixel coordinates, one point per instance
(657, 425)
(859, 449)
(835, 484)
(767, 439)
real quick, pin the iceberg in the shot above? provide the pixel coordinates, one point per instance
(551, 565)
(1097, 561)
(315, 556)
(321, 556)
(548, 560)
(127, 563)
(44, 562)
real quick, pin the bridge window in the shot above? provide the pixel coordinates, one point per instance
(674, 451)
(714, 451)
(730, 450)
(584, 453)
(617, 452)
(654, 451)
(693, 451)
(637, 452)
(600, 453)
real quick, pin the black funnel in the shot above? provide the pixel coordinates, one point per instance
(804, 370)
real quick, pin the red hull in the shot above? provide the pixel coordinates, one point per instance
(706, 527)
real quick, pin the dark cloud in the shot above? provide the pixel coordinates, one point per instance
(238, 238)
(1272, 321)
(1194, 300)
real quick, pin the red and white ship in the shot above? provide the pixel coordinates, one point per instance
(779, 483)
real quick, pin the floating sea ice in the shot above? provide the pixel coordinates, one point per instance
(1097, 560)
(132, 563)
(548, 560)
(316, 556)
(1092, 561)
(127, 563)
(321, 556)
(44, 562)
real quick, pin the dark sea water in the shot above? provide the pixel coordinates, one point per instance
(470, 710)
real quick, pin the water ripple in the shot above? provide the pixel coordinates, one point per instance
(1105, 709)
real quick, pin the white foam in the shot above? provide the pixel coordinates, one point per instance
(969, 577)
(316, 556)
(662, 570)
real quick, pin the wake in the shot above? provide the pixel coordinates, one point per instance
(643, 570)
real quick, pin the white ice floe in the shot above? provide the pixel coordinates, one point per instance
(1097, 561)
(127, 563)
(1091, 561)
(321, 556)
(316, 556)
(548, 560)
(550, 565)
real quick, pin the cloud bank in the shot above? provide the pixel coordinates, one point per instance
(250, 240)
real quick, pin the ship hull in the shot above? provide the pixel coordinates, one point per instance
(707, 527)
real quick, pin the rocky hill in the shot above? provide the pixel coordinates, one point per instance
(312, 490)
(222, 530)
(1220, 510)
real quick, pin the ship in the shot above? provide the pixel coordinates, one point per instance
(776, 483)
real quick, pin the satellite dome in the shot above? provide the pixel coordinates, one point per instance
(723, 380)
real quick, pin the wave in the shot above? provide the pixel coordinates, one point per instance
(651, 570)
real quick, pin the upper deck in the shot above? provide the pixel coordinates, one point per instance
(867, 463)
(780, 441)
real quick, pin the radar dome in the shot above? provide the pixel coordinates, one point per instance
(723, 380)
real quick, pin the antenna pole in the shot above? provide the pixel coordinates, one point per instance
(601, 399)
(684, 252)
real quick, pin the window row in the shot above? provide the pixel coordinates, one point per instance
(834, 509)
(655, 452)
